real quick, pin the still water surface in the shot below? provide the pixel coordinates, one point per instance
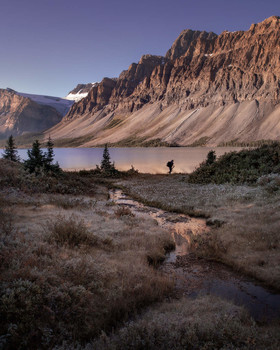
(147, 160)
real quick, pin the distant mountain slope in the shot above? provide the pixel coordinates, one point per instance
(19, 114)
(208, 89)
(62, 105)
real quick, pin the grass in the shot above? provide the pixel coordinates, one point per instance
(70, 202)
(123, 211)
(77, 272)
(70, 276)
(200, 142)
(24, 141)
(204, 323)
(245, 220)
(141, 142)
(236, 143)
(71, 231)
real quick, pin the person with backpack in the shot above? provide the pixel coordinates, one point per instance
(170, 165)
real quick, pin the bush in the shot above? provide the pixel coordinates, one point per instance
(21, 306)
(270, 182)
(246, 166)
(72, 232)
(123, 211)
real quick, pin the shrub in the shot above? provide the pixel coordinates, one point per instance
(21, 306)
(211, 157)
(65, 202)
(123, 211)
(72, 232)
(270, 182)
(245, 166)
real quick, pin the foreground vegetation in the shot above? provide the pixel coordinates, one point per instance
(80, 272)
(245, 220)
(246, 166)
(71, 265)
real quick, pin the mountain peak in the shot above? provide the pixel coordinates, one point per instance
(209, 88)
(273, 21)
(187, 39)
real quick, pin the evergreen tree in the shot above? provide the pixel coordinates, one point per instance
(211, 157)
(49, 155)
(36, 158)
(10, 151)
(106, 164)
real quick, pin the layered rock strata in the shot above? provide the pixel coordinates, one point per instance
(215, 88)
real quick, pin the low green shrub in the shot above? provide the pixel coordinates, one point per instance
(246, 166)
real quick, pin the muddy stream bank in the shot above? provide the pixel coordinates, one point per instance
(194, 276)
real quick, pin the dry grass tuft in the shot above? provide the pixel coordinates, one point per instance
(72, 232)
(123, 211)
(66, 202)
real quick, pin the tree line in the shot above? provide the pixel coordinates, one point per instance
(37, 161)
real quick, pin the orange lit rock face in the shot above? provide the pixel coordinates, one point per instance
(201, 70)
(19, 115)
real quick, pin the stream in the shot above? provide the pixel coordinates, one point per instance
(194, 276)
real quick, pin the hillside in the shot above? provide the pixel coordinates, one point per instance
(20, 115)
(207, 90)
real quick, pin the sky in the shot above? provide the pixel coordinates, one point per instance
(50, 46)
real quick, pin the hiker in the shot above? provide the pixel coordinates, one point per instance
(170, 165)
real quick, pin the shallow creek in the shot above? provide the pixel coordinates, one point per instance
(195, 276)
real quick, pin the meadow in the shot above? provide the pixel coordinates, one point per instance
(80, 272)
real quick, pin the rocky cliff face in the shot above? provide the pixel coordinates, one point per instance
(19, 114)
(210, 82)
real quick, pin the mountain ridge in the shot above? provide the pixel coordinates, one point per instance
(20, 114)
(220, 87)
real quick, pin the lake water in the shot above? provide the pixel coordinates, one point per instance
(147, 160)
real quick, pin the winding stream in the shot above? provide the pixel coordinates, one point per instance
(194, 276)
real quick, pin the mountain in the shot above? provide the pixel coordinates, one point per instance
(19, 114)
(62, 105)
(80, 91)
(207, 90)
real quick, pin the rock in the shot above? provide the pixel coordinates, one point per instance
(19, 114)
(215, 88)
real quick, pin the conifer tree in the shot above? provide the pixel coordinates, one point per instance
(36, 158)
(211, 157)
(10, 151)
(49, 155)
(106, 164)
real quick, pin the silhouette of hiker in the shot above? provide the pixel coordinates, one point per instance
(170, 165)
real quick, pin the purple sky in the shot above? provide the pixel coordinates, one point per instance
(49, 46)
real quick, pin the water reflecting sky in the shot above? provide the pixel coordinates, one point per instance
(146, 160)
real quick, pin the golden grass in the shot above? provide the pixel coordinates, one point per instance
(72, 273)
(245, 220)
(88, 279)
(204, 323)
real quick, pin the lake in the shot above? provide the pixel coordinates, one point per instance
(147, 160)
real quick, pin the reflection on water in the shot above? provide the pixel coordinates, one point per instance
(147, 160)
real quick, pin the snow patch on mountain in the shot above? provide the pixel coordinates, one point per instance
(62, 105)
(76, 97)
(80, 92)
